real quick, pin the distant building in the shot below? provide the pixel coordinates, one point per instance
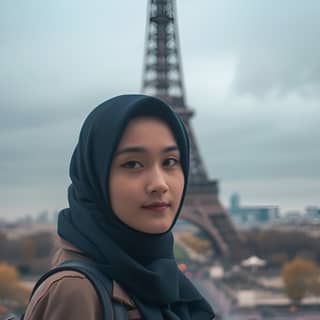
(251, 216)
(292, 217)
(42, 217)
(309, 217)
(18, 231)
(312, 212)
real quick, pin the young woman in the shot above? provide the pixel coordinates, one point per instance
(129, 173)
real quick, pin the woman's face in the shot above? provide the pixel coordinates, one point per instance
(146, 178)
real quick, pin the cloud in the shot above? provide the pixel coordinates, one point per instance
(276, 47)
(273, 138)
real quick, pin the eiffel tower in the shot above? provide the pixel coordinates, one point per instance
(162, 77)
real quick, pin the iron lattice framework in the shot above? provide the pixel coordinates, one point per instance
(163, 78)
(162, 68)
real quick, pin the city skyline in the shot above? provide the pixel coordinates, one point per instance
(251, 72)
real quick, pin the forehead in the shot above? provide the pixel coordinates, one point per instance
(144, 130)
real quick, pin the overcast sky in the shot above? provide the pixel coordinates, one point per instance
(252, 75)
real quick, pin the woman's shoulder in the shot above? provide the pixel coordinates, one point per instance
(65, 295)
(70, 295)
(67, 252)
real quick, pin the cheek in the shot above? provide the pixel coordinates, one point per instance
(122, 193)
(115, 193)
(178, 185)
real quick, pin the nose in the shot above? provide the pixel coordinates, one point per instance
(157, 182)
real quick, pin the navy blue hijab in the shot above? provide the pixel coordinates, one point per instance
(143, 264)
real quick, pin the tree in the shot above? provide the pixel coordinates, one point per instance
(201, 246)
(279, 246)
(10, 287)
(180, 253)
(300, 277)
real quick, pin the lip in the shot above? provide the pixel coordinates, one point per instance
(157, 206)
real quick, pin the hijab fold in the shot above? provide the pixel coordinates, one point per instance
(143, 264)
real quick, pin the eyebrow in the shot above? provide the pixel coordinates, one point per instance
(136, 149)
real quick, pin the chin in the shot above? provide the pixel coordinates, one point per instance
(157, 228)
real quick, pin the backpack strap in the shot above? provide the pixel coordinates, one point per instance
(101, 283)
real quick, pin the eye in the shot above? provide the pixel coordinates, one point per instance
(170, 162)
(131, 165)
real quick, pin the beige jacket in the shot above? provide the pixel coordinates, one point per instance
(68, 295)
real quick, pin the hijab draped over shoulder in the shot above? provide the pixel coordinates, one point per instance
(143, 264)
